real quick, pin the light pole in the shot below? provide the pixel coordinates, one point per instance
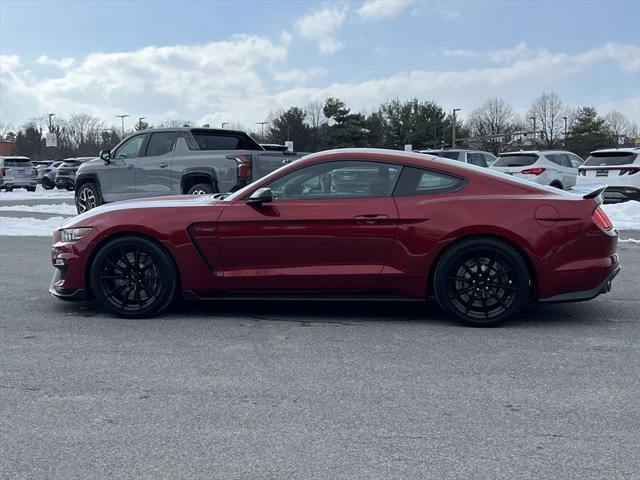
(224, 123)
(453, 128)
(262, 124)
(122, 117)
(565, 131)
(533, 119)
(140, 122)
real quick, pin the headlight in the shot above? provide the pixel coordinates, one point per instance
(74, 234)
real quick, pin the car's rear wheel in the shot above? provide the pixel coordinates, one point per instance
(200, 189)
(47, 184)
(87, 197)
(31, 189)
(133, 277)
(482, 281)
(557, 185)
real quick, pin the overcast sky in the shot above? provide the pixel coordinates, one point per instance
(215, 62)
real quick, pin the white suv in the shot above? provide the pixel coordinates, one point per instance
(619, 168)
(557, 168)
(474, 157)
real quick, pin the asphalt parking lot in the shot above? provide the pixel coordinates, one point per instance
(315, 390)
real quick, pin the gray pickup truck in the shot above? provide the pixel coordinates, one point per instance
(174, 161)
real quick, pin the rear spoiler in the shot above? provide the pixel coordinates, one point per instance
(591, 190)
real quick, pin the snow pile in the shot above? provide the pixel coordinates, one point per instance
(27, 226)
(59, 209)
(624, 216)
(40, 193)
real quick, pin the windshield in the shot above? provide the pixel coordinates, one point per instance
(610, 158)
(516, 160)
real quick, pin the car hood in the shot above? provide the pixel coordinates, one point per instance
(176, 201)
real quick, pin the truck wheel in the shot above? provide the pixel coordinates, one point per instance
(31, 189)
(87, 197)
(200, 189)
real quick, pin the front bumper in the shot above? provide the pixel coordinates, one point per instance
(68, 282)
(57, 290)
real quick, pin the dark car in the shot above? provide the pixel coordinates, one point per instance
(65, 176)
(482, 243)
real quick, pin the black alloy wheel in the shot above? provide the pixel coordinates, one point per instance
(87, 197)
(133, 277)
(482, 281)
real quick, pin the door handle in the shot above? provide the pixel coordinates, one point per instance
(370, 218)
(163, 164)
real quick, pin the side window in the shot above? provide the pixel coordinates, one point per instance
(207, 141)
(416, 181)
(475, 158)
(348, 179)
(489, 159)
(161, 143)
(575, 161)
(131, 148)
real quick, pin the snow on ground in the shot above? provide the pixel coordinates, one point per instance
(624, 216)
(60, 209)
(28, 226)
(40, 193)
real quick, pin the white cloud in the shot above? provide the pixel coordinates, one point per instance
(232, 81)
(63, 63)
(379, 9)
(503, 55)
(320, 26)
(297, 75)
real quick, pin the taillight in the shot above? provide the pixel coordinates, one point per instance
(533, 171)
(601, 219)
(630, 171)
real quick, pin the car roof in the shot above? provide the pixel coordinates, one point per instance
(535, 152)
(14, 157)
(190, 129)
(623, 149)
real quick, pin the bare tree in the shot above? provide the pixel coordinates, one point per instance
(175, 123)
(492, 124)
(315, 119)
(617, 124)
(547, 110)
(84, 131)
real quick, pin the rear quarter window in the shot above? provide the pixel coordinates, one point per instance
(610, 158)
(417, 181)
(518, 160)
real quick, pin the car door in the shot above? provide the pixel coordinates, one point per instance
(117, 178)
(153, 169)
(330, 227)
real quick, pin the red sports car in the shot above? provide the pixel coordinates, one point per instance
(347, 224)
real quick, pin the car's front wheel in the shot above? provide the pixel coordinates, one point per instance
(482, 281)
(133, 277)
(200, 189)
(87, 197)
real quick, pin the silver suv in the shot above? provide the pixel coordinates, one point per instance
(473, 157)
(18, 172)
(557, 168)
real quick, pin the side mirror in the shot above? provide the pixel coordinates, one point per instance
(260, 196)
(106, 156)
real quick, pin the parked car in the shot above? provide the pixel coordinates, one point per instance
(18, 172)
(619, 168)
(171, 161)
(473, 157)
(65, 176)
(556, 168)
(482, 243)
(47, 174)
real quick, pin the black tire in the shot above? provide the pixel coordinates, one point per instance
(69, 188)
(487, 297)
(200, 189)
(557, 185)
(87, 197)
(133, 277)
(8, 189)
(31, 189)
(47, 184)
